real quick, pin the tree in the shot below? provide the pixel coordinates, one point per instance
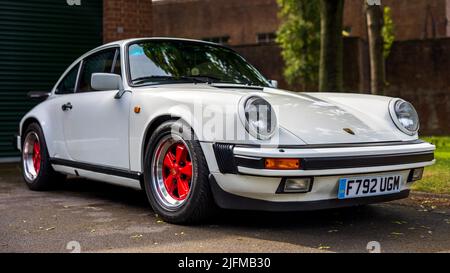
(331, 49)
(299, 39)
(374, 16)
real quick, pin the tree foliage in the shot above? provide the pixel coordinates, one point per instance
(299, 38)
(387, 31)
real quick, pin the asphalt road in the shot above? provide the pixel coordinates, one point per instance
(107, 218)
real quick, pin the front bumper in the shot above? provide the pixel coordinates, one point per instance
(323, 160)
(17, 142)
(227, 200)
(239, 171)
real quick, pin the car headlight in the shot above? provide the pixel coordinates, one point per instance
(258, 117)
(404, 116)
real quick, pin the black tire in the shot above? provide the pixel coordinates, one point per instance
(46, 178)
(199, 204)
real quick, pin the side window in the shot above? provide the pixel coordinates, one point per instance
(67, 85)
(100, 62)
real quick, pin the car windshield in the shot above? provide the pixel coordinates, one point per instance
(169, 61)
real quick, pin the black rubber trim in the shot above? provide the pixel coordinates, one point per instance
(328, 163)
(225, 158)
(249, 162)
(364, 161)
(227, 200)
(238, 87)
(337, 145)
(97, 168)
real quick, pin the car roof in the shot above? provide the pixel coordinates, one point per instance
(129, 41)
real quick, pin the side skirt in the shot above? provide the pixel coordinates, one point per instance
(98, 169)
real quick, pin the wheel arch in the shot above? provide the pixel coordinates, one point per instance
(151, 127)
(26, 122)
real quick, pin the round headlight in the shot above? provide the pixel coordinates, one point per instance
(258, 117)
(404, 116)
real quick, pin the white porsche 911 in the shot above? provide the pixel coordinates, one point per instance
(199, 128)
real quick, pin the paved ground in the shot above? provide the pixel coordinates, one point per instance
(106, 218)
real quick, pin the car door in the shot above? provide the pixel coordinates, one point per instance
(64, 90)
(95, 123)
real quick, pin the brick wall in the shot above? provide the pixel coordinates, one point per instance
(124, 19)
(413, 19)
(243, 20)
(267, 59)
(419, 71)
(240, 20)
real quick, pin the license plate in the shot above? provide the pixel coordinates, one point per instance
(369, 186)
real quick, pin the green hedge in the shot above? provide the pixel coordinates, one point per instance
(442, 143)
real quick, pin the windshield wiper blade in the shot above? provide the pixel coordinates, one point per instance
(237, 86)
(147, 79)
(210, 79)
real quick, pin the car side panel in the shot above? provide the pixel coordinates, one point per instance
(48, 115)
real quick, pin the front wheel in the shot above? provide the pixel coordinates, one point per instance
(176, 175)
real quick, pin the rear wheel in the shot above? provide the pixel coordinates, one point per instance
(176, 175)
(36, 169)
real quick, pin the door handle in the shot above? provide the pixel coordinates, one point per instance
(67, 106)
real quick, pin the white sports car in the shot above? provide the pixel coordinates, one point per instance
(199, 128)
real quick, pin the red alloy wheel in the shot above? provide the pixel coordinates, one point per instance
(177, 171)
(36, 157)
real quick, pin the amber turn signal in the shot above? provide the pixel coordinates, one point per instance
(137, 109)
(282, 164)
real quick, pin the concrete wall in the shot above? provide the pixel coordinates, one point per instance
(124, 19)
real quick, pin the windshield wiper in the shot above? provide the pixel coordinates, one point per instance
(148, 79)
(210, 79)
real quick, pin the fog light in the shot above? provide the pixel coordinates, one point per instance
(416, 175)
(298, 185)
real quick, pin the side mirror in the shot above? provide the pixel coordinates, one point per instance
(274, 83)
(38, 95)
(108, 81)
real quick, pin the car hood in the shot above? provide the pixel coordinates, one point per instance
(326, 121)
(310, 118)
